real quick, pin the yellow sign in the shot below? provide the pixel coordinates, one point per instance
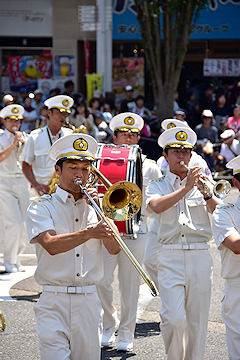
(94, 82)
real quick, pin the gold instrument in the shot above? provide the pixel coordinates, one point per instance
(221, 188)
(121, 201)
(3, 325)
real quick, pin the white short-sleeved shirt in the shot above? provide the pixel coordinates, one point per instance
(225, 222)
(227, 153)
(185, 222)
(11, 165)
(36, 150)
(80, 266)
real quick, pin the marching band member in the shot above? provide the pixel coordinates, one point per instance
(150, 256)
(14, 190)
(183, 262)
(126, 128)
(66, 232)
(226, 231)
(35, 151)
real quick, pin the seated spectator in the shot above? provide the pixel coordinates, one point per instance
(37, 102)
(234, 121)
(43, 118)
(8, 99)
(230, 147)
(30, 117)
(191, 113)
(54, 92)
(140, 108)
(205, 149)
(128, 102)
(103, 134)
(206, 130)
(68, 88)
(82, 116)
(220, 110)
(108, 106)
(78, 97)
(94, 105)
(206, 100)
(180, 114)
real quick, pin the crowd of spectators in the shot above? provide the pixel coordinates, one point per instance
(211, 113)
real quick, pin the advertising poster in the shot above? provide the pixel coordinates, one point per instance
(45, 85)
(221, 67)
(128, 71)
(94, 82)
(64, 65)
(24, 71)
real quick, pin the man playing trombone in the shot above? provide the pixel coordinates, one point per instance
(66, 232)
(181, 203)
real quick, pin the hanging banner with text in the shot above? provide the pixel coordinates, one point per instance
(94, 82)
(221, 67)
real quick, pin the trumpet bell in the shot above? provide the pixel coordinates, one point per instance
(122, 201)
(222, 188)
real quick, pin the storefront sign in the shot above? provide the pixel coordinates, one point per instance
(94, 82)
(219, 21)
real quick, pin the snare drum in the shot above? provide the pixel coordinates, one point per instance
(121, 163)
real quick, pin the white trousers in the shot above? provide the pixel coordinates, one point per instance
(14, 197)
(68, 326)
(150, 256)
(129, 282)
(231, 317)
(184, 280)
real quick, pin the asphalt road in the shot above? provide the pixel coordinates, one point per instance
(19, 292)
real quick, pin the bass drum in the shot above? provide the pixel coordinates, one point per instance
(121, 163)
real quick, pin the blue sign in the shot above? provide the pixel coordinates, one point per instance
(219, 21)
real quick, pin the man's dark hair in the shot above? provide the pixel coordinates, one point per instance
(68, 83)
(60, 163)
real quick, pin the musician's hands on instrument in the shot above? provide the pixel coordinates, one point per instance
(41, 189)
(18, 138)
(94, 194)
(193, 177)
(101, 230)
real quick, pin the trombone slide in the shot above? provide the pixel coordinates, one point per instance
(121, 243)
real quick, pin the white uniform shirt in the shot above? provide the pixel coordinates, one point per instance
(11, 165)
(185, 222)
(225, 222)
(80, 266)
(227, 153)
(36, 150)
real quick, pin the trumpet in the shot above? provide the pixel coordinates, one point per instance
(121, 201)
(221, 188)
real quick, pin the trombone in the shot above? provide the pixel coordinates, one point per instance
(221, 188)
(121, 201)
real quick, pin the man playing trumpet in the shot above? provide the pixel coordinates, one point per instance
(14, 192)
(183, 262)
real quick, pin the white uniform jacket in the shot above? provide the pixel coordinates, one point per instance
(36, 150)
(80, 266)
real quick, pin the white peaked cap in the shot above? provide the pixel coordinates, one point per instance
(60, 102)
(178, 137)
(74, 147)
(127, 121)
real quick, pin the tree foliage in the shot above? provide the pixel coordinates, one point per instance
(165, 39)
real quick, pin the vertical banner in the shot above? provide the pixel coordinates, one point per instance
(94, 82)
(87, 57)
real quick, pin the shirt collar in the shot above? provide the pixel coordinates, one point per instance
(65, 195)
(173, 178)
(8, 134)
(57, 134)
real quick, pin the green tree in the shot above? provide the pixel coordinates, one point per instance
(165, 26)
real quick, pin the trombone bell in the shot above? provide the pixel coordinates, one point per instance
(122, 201)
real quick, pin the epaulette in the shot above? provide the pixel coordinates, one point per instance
(36, 131)
(225, 206)
(151, 160)
(1, 131)
(41, 198)
(159, 179)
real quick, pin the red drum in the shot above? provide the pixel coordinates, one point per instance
(121, 163)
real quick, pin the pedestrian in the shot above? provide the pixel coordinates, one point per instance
(183, 262)
(126, 128)
(226, 231)
(37, 166)
(14, 190)
(67, 235)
